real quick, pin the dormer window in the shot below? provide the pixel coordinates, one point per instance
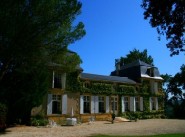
(59, 80)
(150, 72)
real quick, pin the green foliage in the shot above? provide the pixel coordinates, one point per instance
(146, 105)
(67, 61)
(168, 17)
(126, 90)
(98, 88)
(73, 83)
(176, 88)
(166, 78)
(144, 115)
(135, 55)
(33, 34)
(39, 121)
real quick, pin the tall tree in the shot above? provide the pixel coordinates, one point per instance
(168, 16)
(176, 88)
(32, 34)
(135, 55)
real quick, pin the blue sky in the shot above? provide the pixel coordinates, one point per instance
(115, 27)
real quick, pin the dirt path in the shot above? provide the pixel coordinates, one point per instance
(142, 127)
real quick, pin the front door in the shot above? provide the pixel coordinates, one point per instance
(114, 104)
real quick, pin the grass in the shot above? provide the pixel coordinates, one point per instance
(164, 135)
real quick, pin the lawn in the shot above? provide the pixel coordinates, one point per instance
(165, 135)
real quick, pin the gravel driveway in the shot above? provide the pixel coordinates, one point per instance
(142, 127)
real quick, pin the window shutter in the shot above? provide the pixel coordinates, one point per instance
(156, 103)
(141, 103)
(64, 104)
(132, 104)
(122, 104)
(63, 80)
(49, 105)
(96, 104)
(81, 104)
(53, 80)
(150, 102)
(107, 104)
(92, 104)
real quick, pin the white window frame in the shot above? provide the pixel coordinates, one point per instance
(57, 98)
(127, 101)
(59, 78)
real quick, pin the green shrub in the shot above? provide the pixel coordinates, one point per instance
(144, 115)
(39, 120)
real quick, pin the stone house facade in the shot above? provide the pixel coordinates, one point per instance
(131, 88)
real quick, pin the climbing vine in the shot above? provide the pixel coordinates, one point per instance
(98, 88)
(126, 90)
(75, 84)
(146, 105)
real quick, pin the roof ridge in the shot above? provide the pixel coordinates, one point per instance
(136, 63)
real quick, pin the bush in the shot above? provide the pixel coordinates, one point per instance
(144, 115)
(39, 120)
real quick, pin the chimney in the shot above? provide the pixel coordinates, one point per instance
(117, 64)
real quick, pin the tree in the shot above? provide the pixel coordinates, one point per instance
(177, 84)
(32, 34)
(135, 55)
(168, 16)
(176, 88)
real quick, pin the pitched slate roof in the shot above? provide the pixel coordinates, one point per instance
(136, 63)
(138, 69)
(107, 78)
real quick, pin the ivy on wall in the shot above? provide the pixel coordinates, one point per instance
(146, 105)
(74, 84)
(126, 90)
(98, 88)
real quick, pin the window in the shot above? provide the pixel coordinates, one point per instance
(57, 80)
(126, 103)
(114, 103)
(86, 104)
(56, 104)
(150, 72)
(137, 103)
(101, 105)
(86, 84)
